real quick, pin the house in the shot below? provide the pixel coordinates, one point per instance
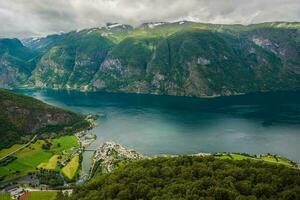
(14, 191)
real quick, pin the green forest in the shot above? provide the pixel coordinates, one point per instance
(193, 178)
(21, 117)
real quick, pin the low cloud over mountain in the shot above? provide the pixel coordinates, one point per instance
(21, 18)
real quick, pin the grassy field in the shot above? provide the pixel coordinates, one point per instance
(234, 156)
(71, 168)
(63, 143)
(42, 196)
(51, 164)
(5, 152)
(29, 158)
(278, 160)
(4, 196)
(266, 158)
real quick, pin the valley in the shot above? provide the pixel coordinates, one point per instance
(195, 94)
(41, 146)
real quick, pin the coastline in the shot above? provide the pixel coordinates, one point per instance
(90, 91)
(109, 154)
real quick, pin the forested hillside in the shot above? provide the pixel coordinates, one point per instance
(193, 178)
(21, 117)
(16, 63)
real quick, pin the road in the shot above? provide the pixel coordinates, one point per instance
(22, 147)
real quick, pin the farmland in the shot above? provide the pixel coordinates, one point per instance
(51, 164)
(71, 168)
(29, 158)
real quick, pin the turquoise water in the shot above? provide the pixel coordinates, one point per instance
(256, 123)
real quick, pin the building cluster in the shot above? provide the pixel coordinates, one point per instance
(15, 191)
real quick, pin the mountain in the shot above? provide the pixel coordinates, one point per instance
(192, 177)
(72, 62)
(22, 116)
(16, 63)
(181, 58)
(42, 44)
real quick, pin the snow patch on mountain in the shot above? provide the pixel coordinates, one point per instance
(152, 25)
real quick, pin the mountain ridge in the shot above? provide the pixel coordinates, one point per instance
(180, 58)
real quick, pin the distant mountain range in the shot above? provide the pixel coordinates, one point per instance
(181, 58)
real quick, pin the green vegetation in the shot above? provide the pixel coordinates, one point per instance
(5, 196)
(193, 178)
(7, 151)
(71, 169)
(17, 62)
(234, 156)
(78, 56)
(49, 177)
(31, 157)
(21, 117)
(51, 164)
(276, 159)
(267, 158)
(64, 142)
(186, 59)
(42, 196)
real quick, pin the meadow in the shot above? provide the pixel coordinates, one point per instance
(42, 196)
(29, 158)
(267, 158)
(13, 148)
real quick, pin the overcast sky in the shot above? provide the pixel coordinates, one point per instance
(24, 18)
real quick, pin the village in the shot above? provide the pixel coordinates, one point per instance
(111, 155)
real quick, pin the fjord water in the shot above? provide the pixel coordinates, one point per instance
(254, 123)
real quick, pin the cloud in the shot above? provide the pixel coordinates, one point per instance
(23, 18)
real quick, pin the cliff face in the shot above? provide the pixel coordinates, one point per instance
(197, 62)
(72, 63)
(16, 63)
(22, 116)
(183, 58)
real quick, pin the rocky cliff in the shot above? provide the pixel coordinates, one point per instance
(16, 63)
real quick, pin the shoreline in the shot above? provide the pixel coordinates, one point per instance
(215, 96)
(109, 154)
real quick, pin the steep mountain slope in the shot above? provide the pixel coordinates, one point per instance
(181, 58)
(42, 44)
(72, 62)
(21, 117)
(16, 63)
(200, 61)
